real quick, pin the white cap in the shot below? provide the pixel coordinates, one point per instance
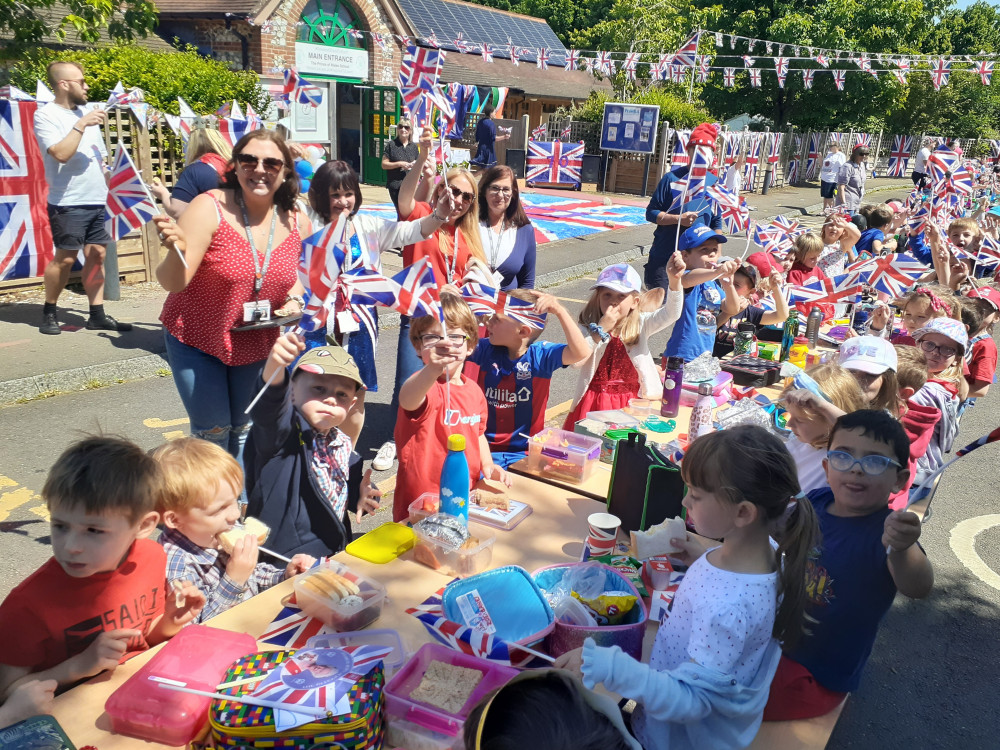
(620, 277)
(869, 354)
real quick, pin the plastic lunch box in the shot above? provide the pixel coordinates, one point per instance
(330, 610)
(563, 455)
(427, 505)
(456, 561)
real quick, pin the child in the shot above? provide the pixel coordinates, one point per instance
(514, 373)
(31, 698)
(872, 361)
(918, 420)
(853, 581)
(872, 241)
(918, 306)
(438, 401)
(943, 341)
(621, 330)
(714, 655)
(199, 502)
(745, 288)
(983, 362)
(102, 596)
(298, 458)
(707, 303)
(839, 239)
(806, 252)
(810, 418)
(963, 233)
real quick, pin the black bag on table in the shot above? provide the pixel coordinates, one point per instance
(646, 488)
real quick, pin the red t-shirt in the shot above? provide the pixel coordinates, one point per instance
(51, 616)
(422, 440)
(799, 275)
(430, 248)
(984, 360)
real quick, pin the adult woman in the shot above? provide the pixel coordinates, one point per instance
(208, 155)
(851, 179)
(507, 236)
(400, 154)
(829, 173)
(486, 138)
(839, 239)
(334, 190)
(242, 245)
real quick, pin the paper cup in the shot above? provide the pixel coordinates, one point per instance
(602, 534)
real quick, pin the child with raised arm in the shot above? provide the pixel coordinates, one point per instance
(514, 373)
(715, 653)
(747, 288)
(438, 401)
(853, 580)
(983, 355)
(103, 596)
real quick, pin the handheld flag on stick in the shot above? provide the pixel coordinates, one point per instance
(485, 300)
(129, 204)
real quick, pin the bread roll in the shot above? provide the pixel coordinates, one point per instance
(489, 493)
(251, 526)
(656, 539)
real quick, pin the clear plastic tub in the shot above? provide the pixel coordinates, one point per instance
(426, 505)
(402, 733)
(472, 557)
(559, 454)
(321, 593)
(397, 691)
(374, 637)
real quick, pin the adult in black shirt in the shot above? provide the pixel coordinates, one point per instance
(399, 157)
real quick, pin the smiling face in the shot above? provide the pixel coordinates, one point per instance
(340, 199)
(916, 314)
(960, 237)
(856, 493)
(260, 168)
(703, 256)
(464, 193)
(499, 194)
(323, 400)
(936, 361)
(215, 514)
(85, 544)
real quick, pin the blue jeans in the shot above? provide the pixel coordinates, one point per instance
(504, 459)
(214, 394)
(407, 363)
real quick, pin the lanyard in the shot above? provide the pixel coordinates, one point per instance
(259, 272)
(495, 245)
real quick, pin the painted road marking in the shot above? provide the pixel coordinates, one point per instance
(10, 501)
(555, 411)
(15, 343)
(570, 299)
(963, 544)
(155, 423)
(174, 434)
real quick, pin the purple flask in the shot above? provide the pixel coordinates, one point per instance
(673, 380)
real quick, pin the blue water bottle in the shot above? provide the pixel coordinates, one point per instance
(455, 480)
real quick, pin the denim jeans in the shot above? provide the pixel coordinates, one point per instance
(214, 394)
(407, 363)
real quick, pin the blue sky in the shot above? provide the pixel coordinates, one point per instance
(967, 3)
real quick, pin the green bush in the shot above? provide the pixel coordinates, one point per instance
(204, 83)
(673, 109)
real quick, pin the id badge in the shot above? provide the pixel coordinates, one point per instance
(346, 322)
(258, 311)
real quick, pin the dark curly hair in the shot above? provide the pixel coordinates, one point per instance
(288, 192)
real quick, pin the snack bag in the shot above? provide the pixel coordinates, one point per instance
(610, 607)
(628, 567)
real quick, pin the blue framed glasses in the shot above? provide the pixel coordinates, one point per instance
(873, 466)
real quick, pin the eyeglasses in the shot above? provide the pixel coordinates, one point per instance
(873, 466)
(402, 127)
(249, 163)
(467, 197)
(944, 350)
(433, 339)
(497, 190)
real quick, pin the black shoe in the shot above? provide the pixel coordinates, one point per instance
(50, 324)
(107, 323)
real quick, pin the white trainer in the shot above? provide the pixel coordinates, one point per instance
(385, 457)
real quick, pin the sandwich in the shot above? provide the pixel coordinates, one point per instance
(489, 494)
(250, 527)
(656, 539)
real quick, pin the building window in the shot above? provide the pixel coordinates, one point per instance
(328, 22)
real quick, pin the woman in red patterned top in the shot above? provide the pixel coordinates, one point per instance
(242, 245)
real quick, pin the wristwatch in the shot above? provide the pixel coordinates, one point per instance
(595, 328)
(297, 299)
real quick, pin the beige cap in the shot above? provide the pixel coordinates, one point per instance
(329, 360)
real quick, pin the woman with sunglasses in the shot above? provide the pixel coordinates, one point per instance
(399, 158)
(507, 236)
(241, 244)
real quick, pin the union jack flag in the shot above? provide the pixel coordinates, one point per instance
(899, 154)
(900, 76)
(894, 274)
(807, 77)
(298, 90)
(25, 234)
(838, 78)
(865, 63)
(787, 226)
(664, 67)
(781, 68)
(729, 77)
(485, 300)
(823, 60)
(487, 51)
(542, 58)
(768, 238)
(985, 70)
(233, 129)
(564, 133)
(748, 61)
(688, 52)
(631, 60)
(419, 71)
(694, 183)
(731, 207)
(942, 164)
(323, 256)
(989, 252)
(128, 204)
(824, 291)
(572, 59)
(554, 161)
(417, 293)
(940, 72)
(605, 64)
(680, 158)
(539, 132)
(755, 77)
(752, 161)
(461, 45)
(813, 156)
(292, 628)
(514, 54)
(656, 72)
(119, 97)
(703, 69)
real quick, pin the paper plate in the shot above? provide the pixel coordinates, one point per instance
(383, 544)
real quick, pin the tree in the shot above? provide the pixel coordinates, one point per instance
(24, 23)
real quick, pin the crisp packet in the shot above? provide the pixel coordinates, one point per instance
(610, 607)
(628, 567)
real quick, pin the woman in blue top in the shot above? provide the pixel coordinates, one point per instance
(486, 138)
(507, 234)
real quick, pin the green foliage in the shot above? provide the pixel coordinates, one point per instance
(25, 22)
(204, 83)
(673, 109)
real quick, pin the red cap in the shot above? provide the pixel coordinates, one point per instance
(705, 134)
(987, 293)
(765, 264)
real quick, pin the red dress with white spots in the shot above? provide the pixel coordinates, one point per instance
(204, 313)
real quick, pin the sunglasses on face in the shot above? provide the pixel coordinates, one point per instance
(249, 162)
(928, 347)
(873, 466)
(402, 127)
(467, 197)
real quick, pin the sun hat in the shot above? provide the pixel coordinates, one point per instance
(620, 277)
(869, 354)
(697, 235)
(329, 360)
(949, 327)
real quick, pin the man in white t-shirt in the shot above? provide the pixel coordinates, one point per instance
(69, 136)
(832, 163)
(919, 174)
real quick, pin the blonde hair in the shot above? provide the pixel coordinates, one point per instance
(525, 296)
(457, 314)
(929, 294)
(841, 389)
(192, 469)
(627, 329)
(810, 242)
(888, 394)
(467, 223)
(965, 223)
(911, 367)
(207, 141)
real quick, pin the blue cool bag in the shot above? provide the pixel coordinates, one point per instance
(504, 602)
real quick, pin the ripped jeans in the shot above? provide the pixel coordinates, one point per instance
(214, 394)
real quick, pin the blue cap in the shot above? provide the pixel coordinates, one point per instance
(697, 235)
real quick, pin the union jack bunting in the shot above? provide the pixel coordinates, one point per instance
(680, 158)
(748, 61)
(718, 39)
(631, 61)
(323, 256)
(665, 66)
(514, 54)
(404, 40)
(572, 60)
(865, 63)
(542, 59)
(119, 97)
(688, 51)
(807, 77)
(225, 110)
(752, 161)
(298, 90)
(703, 69)
(13, 93)
(129, 204)
(995, 149)
(677, 73)
(729, 77)
(25, 234)
(900, 76)
(379, 39)
(838, 78)
(564, 133)
(755, 77)
(813, 156)
(605, 64)
(940, 72)
(656, 72)
(486, 300)
(359, 35)
(985, 70)
(554, 161)
(823, 60)
(781, 69)
(899, 155)
(894, 274)
(903, 63)
(731, 147)
(432, 40)
(539, 132)
(863, 139)
(460, 44)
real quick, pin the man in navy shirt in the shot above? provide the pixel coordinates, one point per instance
(692, 211)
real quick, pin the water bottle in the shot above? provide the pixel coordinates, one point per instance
(702, 413)
(789, 333)
(744, 341)
(673, 381)
(454, 491)
(813, 323)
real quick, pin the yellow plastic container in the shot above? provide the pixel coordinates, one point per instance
(797, 354)
(383, 544)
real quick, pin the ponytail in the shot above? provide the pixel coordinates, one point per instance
(795, 545)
